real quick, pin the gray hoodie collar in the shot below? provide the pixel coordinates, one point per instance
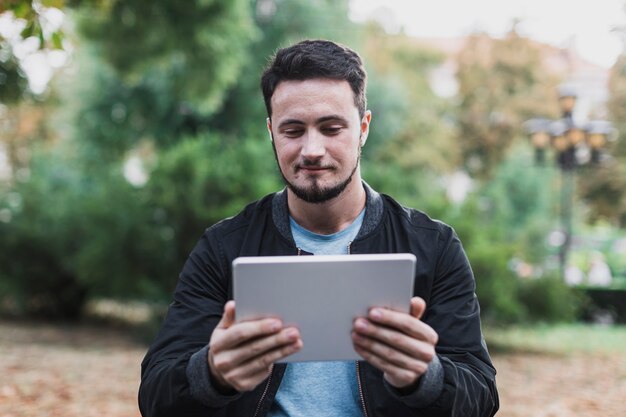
(373, 212)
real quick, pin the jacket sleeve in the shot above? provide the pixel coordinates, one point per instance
(178, 354)
(469, 388)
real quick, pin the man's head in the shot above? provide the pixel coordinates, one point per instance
(316, 59)
(315, 96)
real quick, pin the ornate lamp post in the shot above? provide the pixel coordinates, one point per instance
(574, 146)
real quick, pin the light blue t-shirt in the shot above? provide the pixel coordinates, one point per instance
(320, 389)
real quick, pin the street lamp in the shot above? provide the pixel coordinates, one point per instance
(574, 145)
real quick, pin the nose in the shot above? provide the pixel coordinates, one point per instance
(313, 145)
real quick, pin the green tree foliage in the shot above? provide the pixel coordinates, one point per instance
(604, 186)
(505, 222)
(197, 46)
(411, 142)
(72, 236)
(13, 83)
(96, 234)
(548, 299)
(114, 117)
(29, 15)
(496, 283)
(64, 240)
(501, 84)
(204, 179)
(409, 121)
(519, 201)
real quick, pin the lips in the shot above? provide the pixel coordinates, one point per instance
(312, 168)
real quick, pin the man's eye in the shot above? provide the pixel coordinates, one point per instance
(292, 133)
(331, 130)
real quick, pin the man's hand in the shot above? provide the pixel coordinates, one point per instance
(241, 355)
(398, 344)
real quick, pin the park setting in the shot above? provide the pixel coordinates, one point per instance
(128, 128)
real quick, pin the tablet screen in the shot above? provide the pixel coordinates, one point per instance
(322, 295)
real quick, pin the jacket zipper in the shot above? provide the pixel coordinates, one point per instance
(267, 386)
(361, 396)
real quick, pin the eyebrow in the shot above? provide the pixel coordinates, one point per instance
(318, 121)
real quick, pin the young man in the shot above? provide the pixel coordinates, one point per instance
(429, 362)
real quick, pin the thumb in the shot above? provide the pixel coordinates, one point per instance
(228, 319)
(418, 307)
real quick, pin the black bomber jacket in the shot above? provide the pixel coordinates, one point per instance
(459, 382)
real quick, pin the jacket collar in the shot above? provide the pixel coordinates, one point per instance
(373, 212)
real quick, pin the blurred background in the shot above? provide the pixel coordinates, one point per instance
(128, 127)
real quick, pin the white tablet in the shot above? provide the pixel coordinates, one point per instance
(321, 295)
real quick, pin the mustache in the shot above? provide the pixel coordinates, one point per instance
(305, 163)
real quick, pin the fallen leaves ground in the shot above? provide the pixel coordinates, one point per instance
(70, 371)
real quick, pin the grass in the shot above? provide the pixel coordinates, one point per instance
(557, 338)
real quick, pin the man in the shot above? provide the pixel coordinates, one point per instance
(429, 362)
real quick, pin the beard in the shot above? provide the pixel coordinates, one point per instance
(314, 192)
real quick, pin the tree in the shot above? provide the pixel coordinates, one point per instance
(410, 120)
(198, 46)
(410, 145)
(79, 229)
(502, 83)
(604, 187)
(30, 17)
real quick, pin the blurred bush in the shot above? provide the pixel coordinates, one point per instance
(76, 233)
(204, 179)
(503, 223)
(73, 235)
(548, 299)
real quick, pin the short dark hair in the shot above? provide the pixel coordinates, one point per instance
(316, 59)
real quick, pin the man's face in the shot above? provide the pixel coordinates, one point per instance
(317, 137)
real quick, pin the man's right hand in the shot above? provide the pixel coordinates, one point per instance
(241, 355)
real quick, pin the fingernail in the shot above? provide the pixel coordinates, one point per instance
(292, 333)
(275, 325)
(360, 324)
(376, 313)
(296, 347)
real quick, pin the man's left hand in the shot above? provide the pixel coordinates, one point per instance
(399, 344)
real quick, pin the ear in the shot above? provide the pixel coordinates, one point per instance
(269, 128)
(365, 126)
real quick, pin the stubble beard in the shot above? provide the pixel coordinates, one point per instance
(314, 193)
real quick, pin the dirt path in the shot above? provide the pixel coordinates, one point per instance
(58, 371)
(574, 385)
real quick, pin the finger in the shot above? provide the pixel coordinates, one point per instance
(262, 363)
(243, 332)
(228, 318)
(403, 322)
(258, 347)
(396, 376)
(418, 307)
(393, 340)
(416, 360)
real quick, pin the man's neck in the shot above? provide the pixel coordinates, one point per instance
(331, 216)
